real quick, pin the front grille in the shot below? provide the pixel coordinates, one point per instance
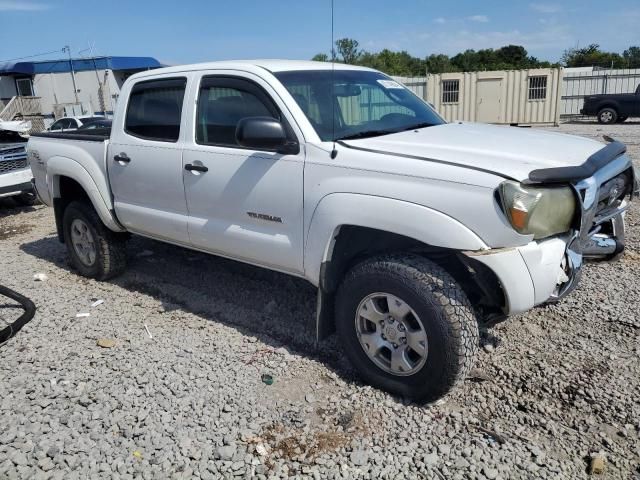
(11, 151)
(7, 166)
(613, 191)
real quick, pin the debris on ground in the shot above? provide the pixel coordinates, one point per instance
(148, 332)
(596, 466)
(96, 303)
(495, 436)
(40, 277)
(477, 375)
(106, 343)
(83, 315)
(267, 379)
(261, 449)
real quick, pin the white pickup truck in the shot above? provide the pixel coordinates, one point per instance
(415, 231)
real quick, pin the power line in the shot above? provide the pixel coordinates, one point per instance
(33, 56)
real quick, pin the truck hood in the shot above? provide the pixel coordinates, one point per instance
(507, 151)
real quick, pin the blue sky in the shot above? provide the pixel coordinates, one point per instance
(199, 30)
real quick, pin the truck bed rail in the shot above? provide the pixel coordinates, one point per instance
(95, 135)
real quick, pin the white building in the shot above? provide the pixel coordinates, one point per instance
(47, 90)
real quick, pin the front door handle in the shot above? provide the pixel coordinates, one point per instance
(198, 168)
(122, 157)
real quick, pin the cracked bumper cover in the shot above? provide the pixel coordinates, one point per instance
(534, 273)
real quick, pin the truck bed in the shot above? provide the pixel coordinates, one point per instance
(70, 149)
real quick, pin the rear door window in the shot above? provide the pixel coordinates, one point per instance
(155, 109)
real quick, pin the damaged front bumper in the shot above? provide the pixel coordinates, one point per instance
(550, 269)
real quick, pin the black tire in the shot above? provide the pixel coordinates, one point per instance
(110, 247)
(622, 119)
(607, 116)
(445, 313)
(27, 199)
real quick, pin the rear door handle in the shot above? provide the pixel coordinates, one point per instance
(198, 168)
(122, 157)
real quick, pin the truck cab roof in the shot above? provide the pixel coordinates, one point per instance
(272, 65)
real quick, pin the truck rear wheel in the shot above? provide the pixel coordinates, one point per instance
(94, 250)
(607, 115)
(407, 326)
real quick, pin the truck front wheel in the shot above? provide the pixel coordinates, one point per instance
(94, 250)
(407, 326)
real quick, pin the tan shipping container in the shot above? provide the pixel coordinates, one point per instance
(514, 97)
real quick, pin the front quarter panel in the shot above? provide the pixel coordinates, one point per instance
(388, 214)
(442, 205)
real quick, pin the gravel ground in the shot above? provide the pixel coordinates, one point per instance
(550, 387)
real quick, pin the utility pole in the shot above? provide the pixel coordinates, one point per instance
(100, 85)
(73, 74)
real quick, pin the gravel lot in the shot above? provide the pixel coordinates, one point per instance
(550, 387)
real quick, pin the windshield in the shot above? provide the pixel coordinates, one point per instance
(365, 103)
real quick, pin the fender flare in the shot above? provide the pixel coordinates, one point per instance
(421, 223)
(63, 166)
(608, 103)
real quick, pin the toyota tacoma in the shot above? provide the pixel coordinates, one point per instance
(415, 231)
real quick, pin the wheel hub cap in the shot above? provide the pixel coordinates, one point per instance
(391, 334)
(83, 242)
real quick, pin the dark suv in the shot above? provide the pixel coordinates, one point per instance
(613, 107)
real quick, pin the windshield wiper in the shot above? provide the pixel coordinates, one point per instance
(377, 133)
(366, 134)
(416, 126)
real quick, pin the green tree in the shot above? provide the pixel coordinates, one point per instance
(467, 61)
(393, 63)
(321, 57)
(347, 48)
(632, 57)
(515, 55)
(439, 63)
(592, 56)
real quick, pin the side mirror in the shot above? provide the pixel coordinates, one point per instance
(264, 133)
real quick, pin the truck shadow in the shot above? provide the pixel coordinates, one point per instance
(10, 207)
(277, 309)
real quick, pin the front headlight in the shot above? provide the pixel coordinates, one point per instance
(538, 211)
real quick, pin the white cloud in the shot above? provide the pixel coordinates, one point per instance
(545, 7)
(21, 6)
(543, 40)
(478, 18)
(440, 20)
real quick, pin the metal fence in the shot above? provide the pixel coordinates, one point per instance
(582, 82)
(417, 85)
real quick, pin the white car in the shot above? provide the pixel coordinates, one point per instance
(15, 174)
(70, 124)
(414, 230)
